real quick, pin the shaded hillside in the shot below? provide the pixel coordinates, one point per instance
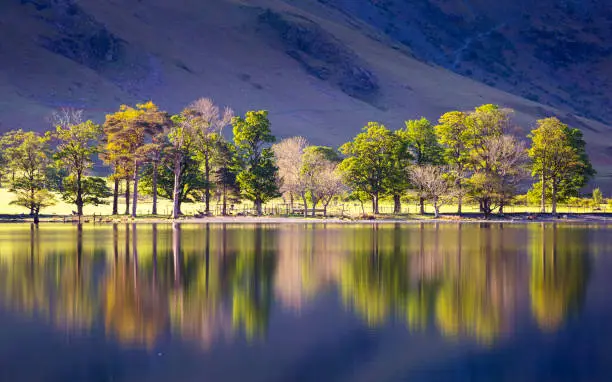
(322, 72)
(555, 52)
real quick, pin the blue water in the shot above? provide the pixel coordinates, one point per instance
(421, 302)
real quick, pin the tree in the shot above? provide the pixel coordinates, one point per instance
(181, 137)
(33, 200)
(156, 124)
(127, 131)
(370, 161)
(77, 144)
(93, 190)
(499, 166)
(191, 179)
(289, 159)
(28, 158)
(123, 137)
(432, 183)
(559, 160)
(258, 174)
(453, 134)
(397, 180)
(225, 174)
(598, 198)
(321, 176)
(208, 124)
(421, 139)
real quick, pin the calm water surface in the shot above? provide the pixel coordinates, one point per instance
(306, 303)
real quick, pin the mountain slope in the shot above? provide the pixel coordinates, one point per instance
(322, 71)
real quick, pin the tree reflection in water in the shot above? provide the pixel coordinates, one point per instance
(208, 283)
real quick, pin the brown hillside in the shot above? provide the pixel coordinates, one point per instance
(321, 73)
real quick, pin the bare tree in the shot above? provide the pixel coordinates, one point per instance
(66, 117)
(327, 184)
(289, 159)
(509, 156)
(434, 185)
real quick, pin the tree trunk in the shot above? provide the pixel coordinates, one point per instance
(375, 209)
(543, 196)
(554, 197)
(397, 204)
(224, 206)
(305, 205)
(207, 189)
(422, 205)
(127, 196)
(501, 207)
(436, 208)
(36, 218)
(154, 190)
(79, 195)
(135, 193)
(176, 192)
(314, 205)
(116, 197)
(459, 203)
(258, 207)
(291, 202)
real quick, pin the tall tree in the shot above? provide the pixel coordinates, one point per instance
(289, 158)
(208, 123)
(258, 175)
(559, 160)
(225, 174)
(487, 125)
(421, 139)
(124, 136)
(453, 135)
(320, 175)
(370, 161)
(157, 124)
(28, 157)
(180, 152)
(432, 183)
(77, 145)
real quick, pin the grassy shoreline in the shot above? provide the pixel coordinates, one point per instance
(599, 218)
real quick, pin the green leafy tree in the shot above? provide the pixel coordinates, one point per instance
(77, 145)
(559, 160)
(225, 174)
(598, 198)
(191, 180)
(28, 158)
(453, 135)
(258, 172)
(93, 191)
(370, 161)
(208, 124)
(157, 124)
(422, 142)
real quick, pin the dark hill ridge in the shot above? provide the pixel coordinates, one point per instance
(323, 68)
(555, 52)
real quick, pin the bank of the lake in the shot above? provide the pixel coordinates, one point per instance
(602, 218)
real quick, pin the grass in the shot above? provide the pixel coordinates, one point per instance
(276, 207)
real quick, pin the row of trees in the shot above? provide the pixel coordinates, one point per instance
(475, 154)
(185, 157)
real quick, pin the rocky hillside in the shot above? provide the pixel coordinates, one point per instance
(322, 67)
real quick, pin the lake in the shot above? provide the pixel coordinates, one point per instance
(306, 302)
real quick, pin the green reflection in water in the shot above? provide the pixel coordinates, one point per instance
(208, 283)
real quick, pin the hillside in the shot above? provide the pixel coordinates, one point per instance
(322, 68)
